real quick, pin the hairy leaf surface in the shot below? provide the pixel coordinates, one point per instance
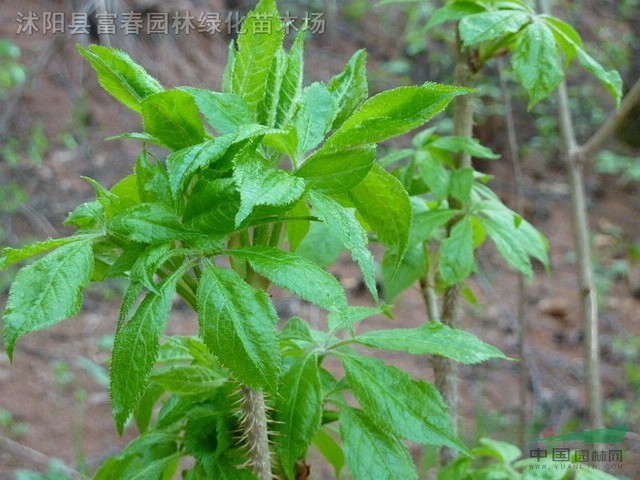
(342, 222)
(300, 276)
(47, 291)
(238, 324)
(371, 452)
(432, 339)
(127, 81)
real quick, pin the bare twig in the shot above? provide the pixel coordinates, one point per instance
(35, 456)
(595, 143)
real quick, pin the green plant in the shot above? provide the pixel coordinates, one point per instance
(247, 398)
(9, 424)
(499, 460)
(611, 163)
(12, 73)
(541, 47)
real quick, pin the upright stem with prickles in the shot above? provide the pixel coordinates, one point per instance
(255, 428)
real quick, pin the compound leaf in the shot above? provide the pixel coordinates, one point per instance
(536, 62)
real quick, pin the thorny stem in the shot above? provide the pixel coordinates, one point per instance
(254, 411)
(254, 418)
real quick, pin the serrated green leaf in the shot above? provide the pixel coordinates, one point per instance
(298, 410)
(127, 81)
(347, 318)
(456, 253)
(148, 262)
(159, 468)
(320, 245)
(384, 203)
(111, 203)
(173, 117)
(89, 215)
(298, 227)
(300, 276)
(268, 110)
(291, 86)
(515, 238)
(453, 12)
(609, 78)
(571, 44)
(153, 182)
(339, 171)
(393, 113)
(148, 223)
(536, 62)
(238, 325)
(434, 174)
(342, 222)
(566, 36)
(425, 223)
(503, 451)
(47, 291)
(350, 88)
(407, 408)
(227, 76)
(257, 46)
(461, 184)
(188, 379)
(489, 25)
(400, 274)
(213, 206)
(508, 245)
(330, 450)
(313, 118)
(457, 144)
(260, 184)
(144, 411)
(371, 452)
(11, 256)
(184, 163)
(225, 112)
(432, 339)
(135, 349)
